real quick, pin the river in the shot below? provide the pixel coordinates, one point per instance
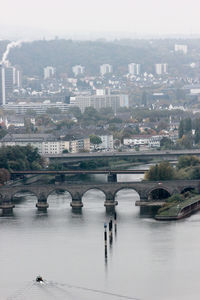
(147, 260)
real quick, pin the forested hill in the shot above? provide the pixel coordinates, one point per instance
(63, 54)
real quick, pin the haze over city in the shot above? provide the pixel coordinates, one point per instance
(92, 19)
(99, 144)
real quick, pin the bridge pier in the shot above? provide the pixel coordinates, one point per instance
(76, 203)
(110, 203)
(42, 204)
(112, 177)
(7, 208)
(7, 205)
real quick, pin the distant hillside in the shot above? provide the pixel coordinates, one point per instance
(63, 54)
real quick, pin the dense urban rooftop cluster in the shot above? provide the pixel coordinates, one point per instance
(130, 95)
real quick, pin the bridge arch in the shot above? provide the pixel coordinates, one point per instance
(91, 194)
(158, 193)
(188, 189)
(23, 191)
(58, 190)
(59, 197)
(116, 193)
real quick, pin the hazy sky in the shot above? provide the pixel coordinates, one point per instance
(86, 16)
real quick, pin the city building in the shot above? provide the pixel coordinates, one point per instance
(39, 107)
(100, 101)
(80, 145)
(2, 86)
(17, 77)
(161, 69)
(49, 72)
(7, 80)
(46, 143)
(181, 48)
(105, 69)
(107, 142)
(143, 140)
(134, 69)
(78, 70)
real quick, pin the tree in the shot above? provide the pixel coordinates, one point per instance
(95, 140)
(181, 129)
(186, 142)
(162, 171)
(186, 161)
(166, 143)
(76, 112)
(4, 176)
(65, 151)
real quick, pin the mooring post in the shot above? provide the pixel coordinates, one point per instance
(110, 231)
(115, 221)
(105, 240)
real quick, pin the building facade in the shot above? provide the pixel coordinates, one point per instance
(98, 102)
(105, 69)
(134, 69)
(40, 108)
(78, 70)
(161, 69)
(49, 72)
(181, 48)
(46, 143)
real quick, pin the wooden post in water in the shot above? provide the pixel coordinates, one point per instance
(110, 231)
(115, 221)
(105, 240)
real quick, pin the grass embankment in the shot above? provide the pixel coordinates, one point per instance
(176, 204)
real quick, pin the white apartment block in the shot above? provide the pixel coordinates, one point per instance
(134, 69)
(2, 86)
(105, 69)
(181, 48)
(78, 70)
(49, 72)
(98, 102)
(107, 142)
(40, 108)
(142, 140)
(46, 143)
(161, 69)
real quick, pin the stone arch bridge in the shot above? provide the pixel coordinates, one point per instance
(145, 189)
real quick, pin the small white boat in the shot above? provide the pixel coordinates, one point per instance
(39, 279)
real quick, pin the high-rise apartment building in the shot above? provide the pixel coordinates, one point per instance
(134, 69)
(49, 72)
(78, 70)
(161, 69)
(105, 69)
(7, 80)
(2, 86)
(181, 48)
(17, 77)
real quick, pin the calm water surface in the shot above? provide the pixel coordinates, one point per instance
(148, 259)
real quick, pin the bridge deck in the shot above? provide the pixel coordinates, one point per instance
(73, 172)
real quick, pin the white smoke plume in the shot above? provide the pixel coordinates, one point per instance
(9, 46)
